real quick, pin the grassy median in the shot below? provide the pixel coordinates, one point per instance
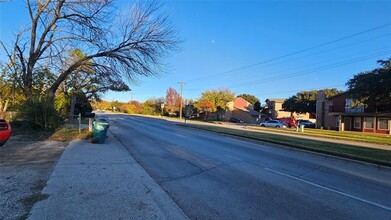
(345, 135)
(376, 156)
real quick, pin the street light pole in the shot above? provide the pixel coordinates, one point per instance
(180, 110)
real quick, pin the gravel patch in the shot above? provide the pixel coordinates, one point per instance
(25, 167)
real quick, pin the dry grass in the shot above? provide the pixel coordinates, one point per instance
(65, 134)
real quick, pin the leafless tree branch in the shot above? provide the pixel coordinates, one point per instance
(125, 44)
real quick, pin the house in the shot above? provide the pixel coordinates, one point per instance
(338, 113)
(274, 109)
(243, 110)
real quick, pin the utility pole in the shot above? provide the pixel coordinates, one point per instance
(180, 110)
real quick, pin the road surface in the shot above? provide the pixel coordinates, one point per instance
(214, 176)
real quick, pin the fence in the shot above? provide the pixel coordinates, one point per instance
(78, 122)
(73, 122)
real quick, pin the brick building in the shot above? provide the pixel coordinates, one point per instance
(338, 113)
(243, 110)
(274, 109)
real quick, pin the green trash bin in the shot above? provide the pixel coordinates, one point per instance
(100, 130)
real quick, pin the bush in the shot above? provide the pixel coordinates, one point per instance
(62, 104)
(41, 114)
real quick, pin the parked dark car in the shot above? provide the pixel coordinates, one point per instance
(306, 123)
(235, 120)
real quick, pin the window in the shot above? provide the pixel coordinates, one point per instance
(383, 123)
(357, 122)
(369, 122)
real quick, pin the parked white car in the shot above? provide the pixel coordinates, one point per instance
(273, 123)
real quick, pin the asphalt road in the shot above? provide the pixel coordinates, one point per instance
(213, 176)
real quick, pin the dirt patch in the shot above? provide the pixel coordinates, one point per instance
(25, 167)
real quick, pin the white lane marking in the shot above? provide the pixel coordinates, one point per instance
(232, 157)
(332, 190)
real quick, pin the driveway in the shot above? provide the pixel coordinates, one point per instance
(25, 166)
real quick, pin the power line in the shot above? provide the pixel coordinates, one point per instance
(298, 90)
(323, 61)
(322, 68)
(304, 72)
(293, 53)
(331, 49)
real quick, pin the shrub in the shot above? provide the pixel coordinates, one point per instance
(41, 114)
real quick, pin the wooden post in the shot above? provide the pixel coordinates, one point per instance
(79, 122)
(389, 126)
(340, 124)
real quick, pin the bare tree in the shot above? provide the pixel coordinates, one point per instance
(121, 43)
(87, 80)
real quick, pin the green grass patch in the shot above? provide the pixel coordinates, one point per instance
(340, 135)
(65, 134)
(376, 156)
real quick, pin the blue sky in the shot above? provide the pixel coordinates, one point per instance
(222, 36)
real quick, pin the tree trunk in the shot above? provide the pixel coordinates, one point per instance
(50, 95)
(72, 111)
(6, 105)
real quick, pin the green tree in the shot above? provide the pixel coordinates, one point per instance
(214, 101)
(101, 105)
(11, 94)
(374, 85)
(116, 105)
(138, 107)
(249, 98)
(151, 107)
(332, 92)
(219, 98)
(40, 114)
(205, 106)
(305, 101)
(257, 106)
(62, 104)
(5, 94)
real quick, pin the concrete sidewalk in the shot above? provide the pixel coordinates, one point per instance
(102, 181)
